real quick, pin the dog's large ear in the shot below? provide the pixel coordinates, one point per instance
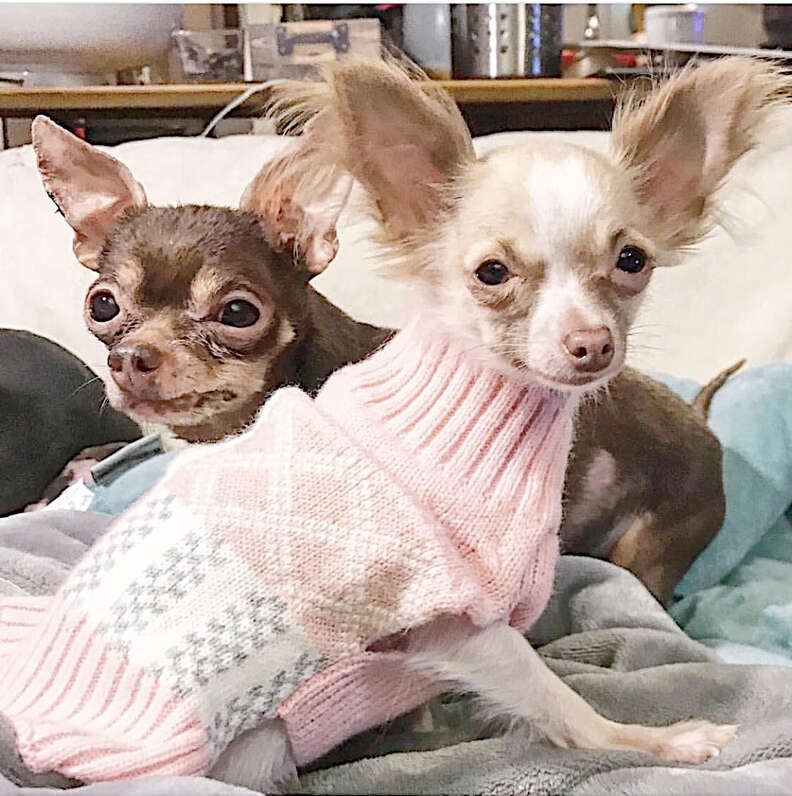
(402, 138)
(299, 209)
(684, 137)
(91, 188)
(403, 142)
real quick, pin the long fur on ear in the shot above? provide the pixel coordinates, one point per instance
(91, 189)
(402, 138)
(681, 139)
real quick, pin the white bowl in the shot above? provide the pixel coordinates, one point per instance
(85, 37)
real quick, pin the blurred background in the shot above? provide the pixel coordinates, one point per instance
(117, 72)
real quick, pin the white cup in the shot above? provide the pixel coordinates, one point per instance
(675, 25)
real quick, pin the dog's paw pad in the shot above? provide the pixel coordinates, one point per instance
(694, 742)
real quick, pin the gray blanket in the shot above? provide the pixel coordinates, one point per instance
(602, 632)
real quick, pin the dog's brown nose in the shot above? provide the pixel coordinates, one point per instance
(145, 359)
(137, 359)
(115, 361)
(590, 350)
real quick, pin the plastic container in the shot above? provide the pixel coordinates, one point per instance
(295, 50)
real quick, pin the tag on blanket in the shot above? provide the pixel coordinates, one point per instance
(77, 497)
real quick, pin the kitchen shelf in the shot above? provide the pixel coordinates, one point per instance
(174, 99)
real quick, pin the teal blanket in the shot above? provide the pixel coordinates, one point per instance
(737, 595)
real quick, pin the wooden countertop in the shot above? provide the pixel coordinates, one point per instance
(21, 101)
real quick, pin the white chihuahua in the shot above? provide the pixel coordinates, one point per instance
(537, 257)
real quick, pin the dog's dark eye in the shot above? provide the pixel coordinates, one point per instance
(239, 313)
(103, 306)
(631, 260)
(492, 273)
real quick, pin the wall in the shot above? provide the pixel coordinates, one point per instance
(202, 16)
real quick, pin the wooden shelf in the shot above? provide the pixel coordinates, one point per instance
(540, 89)
(23, 101)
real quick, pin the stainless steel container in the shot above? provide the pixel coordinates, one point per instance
(506, 40)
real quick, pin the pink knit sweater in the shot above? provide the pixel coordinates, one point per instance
(274, 574)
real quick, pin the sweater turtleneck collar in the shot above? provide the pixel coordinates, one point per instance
(455, 411)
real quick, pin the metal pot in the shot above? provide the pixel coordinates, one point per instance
(506, 40)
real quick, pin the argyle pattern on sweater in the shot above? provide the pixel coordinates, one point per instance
(251, 582)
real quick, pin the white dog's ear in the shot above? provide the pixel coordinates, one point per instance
(92, 189)
(299, 210)
(402, 138)
(684, 137)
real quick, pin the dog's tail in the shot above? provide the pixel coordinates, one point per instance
(701, 403)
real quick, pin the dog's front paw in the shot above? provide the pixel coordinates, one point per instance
(693, 741)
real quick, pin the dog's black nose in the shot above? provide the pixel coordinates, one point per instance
(590, 350)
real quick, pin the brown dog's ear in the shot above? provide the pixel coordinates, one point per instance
(91, 188)
(684, 137)
(299, 209)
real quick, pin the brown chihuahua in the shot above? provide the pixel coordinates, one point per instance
(644, 485)
(204, 310)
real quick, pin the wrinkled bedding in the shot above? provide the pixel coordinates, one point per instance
(747, 617)
(602, 632)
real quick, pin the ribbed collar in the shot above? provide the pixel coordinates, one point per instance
(454, 411)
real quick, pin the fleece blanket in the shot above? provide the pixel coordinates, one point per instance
(747, 616)
(602, 632)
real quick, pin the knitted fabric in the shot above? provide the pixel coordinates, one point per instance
(274, 574)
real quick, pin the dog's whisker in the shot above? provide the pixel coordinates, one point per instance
(85, 384)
